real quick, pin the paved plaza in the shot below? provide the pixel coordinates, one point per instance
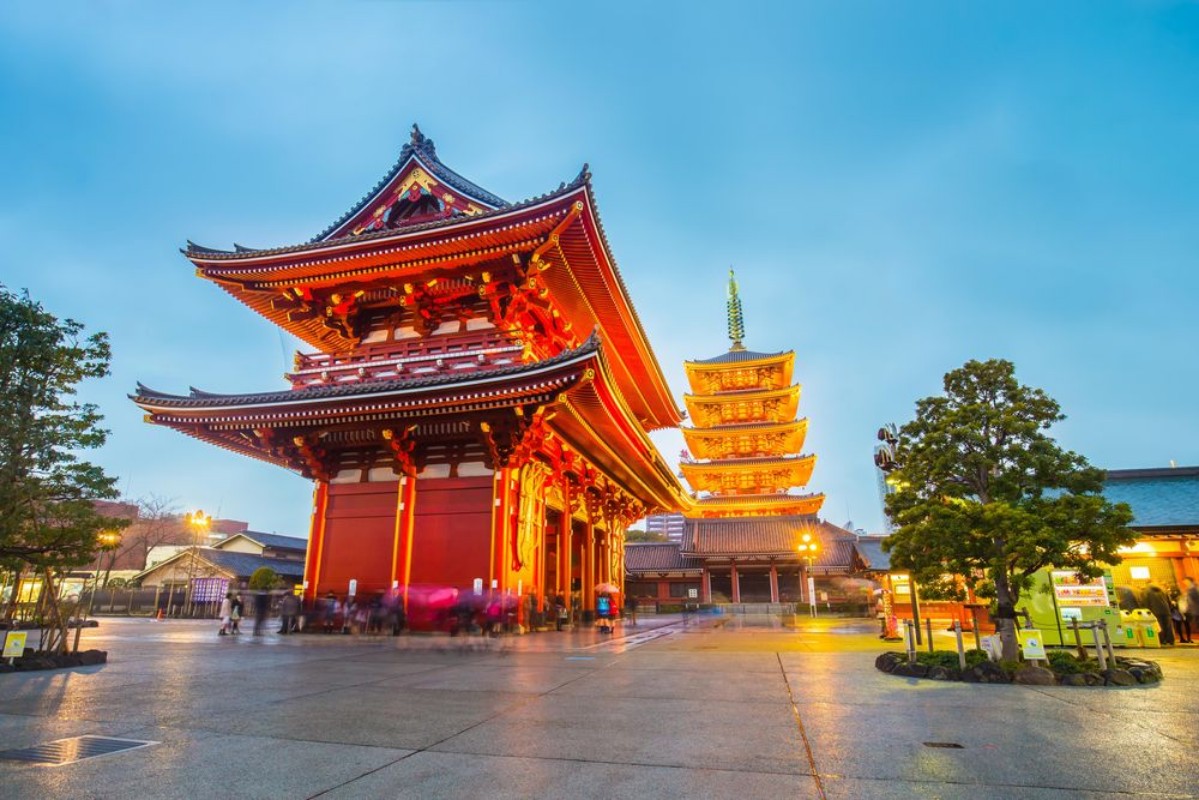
(702, 710)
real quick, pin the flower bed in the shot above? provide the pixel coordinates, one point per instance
(1063, 668)
(34, 661)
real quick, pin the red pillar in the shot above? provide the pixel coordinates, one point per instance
(589, 567)
(316, 538)
(401, 555)
(736, 584)
(774, 583)
(705, 586)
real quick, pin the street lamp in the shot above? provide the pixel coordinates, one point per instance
(199, 522)
(807, 549)
(105, 540)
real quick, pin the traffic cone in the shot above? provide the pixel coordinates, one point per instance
(161, 615)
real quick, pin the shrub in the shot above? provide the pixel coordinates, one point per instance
(1065, 663)
(264, 578)
(949, 658)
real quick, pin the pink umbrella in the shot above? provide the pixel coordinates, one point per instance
(607, 588)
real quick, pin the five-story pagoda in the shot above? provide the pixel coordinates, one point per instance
(745, 522)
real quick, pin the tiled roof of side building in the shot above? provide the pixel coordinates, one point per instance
(658, 557)
(1160, 498)
(736, 356)
(200, 399)
(871, 550)
(244, 564)
(769, 536)
(277, 541)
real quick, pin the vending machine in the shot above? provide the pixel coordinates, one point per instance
(1058, 596)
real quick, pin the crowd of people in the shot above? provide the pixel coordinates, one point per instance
(431, 609)
(1176, 610)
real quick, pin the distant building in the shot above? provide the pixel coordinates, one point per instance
(232, 560)
(1165, 515)
(668, 525)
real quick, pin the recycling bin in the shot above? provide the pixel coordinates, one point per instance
(1147, 631)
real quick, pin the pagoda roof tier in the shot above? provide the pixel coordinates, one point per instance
(740, 369)
(749, 475)
(757, 405)
(740, 357)
(287, 428)
(555, 243)
(763, 505)
(748, 439)
(769, 537)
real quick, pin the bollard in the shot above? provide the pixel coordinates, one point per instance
(928, 624)
(1099, 647)
(1082, 651)
(957, 631)
(909, 639)
(1107, 640)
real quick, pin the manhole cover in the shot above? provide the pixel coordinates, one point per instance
(949, 745)
(66, 751)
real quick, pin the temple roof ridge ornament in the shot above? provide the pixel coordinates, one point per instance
(419, 149)
(736, 318)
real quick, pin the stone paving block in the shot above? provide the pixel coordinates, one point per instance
(436, 774)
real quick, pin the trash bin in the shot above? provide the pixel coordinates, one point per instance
(1148, 634)
(1126, 631)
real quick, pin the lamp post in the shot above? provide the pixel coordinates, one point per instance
(105, 540)
(199, 522)
(807, 551)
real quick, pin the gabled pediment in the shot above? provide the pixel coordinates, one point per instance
(418, 189)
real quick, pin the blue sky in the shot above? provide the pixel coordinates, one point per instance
(901, 187)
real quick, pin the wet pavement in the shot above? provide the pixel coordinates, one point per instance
(664, 710)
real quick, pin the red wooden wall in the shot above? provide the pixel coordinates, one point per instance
(359, 537)
(452, 531)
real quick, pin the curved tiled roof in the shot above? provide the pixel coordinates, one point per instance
(750, 536)
(211, 253)
(773, 497)
(199, 399)
(736, 356)
(1159, 498)
(658, 557)
(421, 148)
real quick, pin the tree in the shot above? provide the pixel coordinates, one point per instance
(48, 520)
(263, 579)
(985, 497)
(638, 535)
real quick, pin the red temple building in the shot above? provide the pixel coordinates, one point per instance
(477, 401)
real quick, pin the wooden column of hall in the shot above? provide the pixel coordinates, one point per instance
(705, 586)
(774, 583)
(316, 539)
(565, 545)
(589, 566)
(736, 584)
(401, 554)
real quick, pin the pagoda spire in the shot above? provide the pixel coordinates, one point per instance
(736, 320)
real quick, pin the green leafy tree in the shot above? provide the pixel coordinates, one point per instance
(48, 520)
(985, 497)
(638, 535)
(264, 578)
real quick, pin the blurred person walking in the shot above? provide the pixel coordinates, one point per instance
(262, 606)
(1190, 593)
(1159, 604)
(226, 614)
(236, 614)
(1182, 625)
(289, 609)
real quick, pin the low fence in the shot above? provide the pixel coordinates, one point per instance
(130, 602)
